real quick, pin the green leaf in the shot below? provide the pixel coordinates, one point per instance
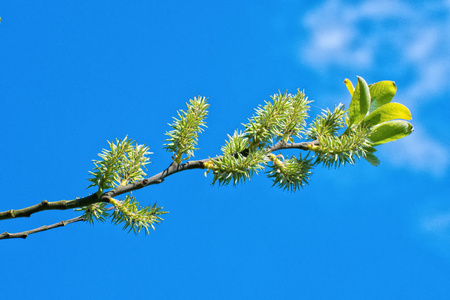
(381, 93)
(359, 106)
(372, 159)
(370, 149)
(388, 112)
(390, 131)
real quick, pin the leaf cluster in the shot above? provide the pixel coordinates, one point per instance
(371, 107)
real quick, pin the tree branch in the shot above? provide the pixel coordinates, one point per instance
(24, 234)
(155, 179)
(45, 205)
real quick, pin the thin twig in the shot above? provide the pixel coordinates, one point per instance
(24, 234)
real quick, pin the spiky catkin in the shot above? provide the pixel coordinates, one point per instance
(122, 164)
(135, 218)
(328, 123)
(290, 174)
(185, 129)
(336, 150)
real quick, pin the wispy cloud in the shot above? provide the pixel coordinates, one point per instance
(395, 38)
(420, 152)
(437, 224)
(388, 35)
(433, 230)
(347, 35)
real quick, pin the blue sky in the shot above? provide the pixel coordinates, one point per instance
(75, 74)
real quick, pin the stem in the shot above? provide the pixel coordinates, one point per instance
(24, 234)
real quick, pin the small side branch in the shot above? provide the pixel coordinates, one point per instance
(24, 234)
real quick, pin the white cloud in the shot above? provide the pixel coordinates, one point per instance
(396, 38)
(423, 44)
(332, 33)
(338, 34)
(388, 35)
(428, 52)
(419, 152)
(377, 10)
